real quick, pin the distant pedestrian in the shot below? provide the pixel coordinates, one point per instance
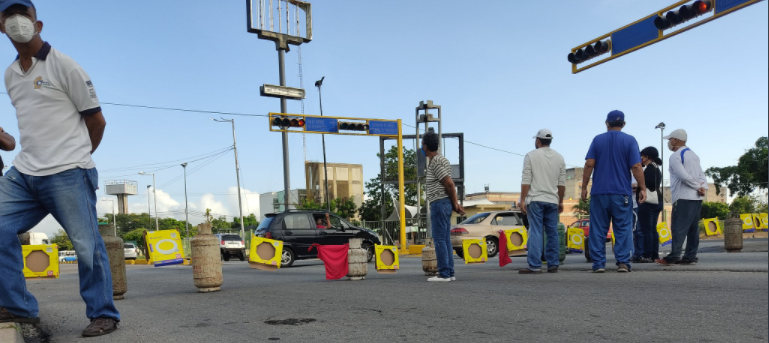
(688, 185)
(649, 211)
(442, 199)
(60, 127)
(614, 156)
(7, 143)
(542, 189)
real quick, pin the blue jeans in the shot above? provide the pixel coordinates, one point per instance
(440, 216)
(605, 209)
(70, 196)
(543, 216)
(647, 223)
(638, 236)
(685, 227)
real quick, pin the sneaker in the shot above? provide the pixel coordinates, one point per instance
(529, 271)
(553, 269)
(599, 270)
(8, 317)
(439, 279)
(623, 268)
(100, 327)
(453, 278)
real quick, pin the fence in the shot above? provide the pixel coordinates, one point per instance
(389, 231)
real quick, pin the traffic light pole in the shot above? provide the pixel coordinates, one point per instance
(401, 182)
(283, 109)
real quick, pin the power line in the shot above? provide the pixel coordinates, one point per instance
(167, 162)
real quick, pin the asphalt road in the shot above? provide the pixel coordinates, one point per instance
(723, 298)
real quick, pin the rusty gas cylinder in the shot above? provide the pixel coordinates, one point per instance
(206, 261)
(357, 260)
(429, 259)
(116, 256)
(733, 235)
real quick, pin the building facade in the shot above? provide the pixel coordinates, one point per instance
(345, 181)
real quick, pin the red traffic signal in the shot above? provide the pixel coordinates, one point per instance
(685, 13)
(343, 125)
(590, 51)
(285, 122)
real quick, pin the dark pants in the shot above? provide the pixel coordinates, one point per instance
(638, 236)
(686, 217)
(647, 223)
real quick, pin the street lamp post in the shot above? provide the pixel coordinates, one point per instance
(237, 172)
(318, 84)
(661, 126)
(155, 198)
(114, 220)
(149, 209)
(186, 210)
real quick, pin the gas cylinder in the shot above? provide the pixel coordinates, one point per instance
(116, 256)
(206, 261)
(733, 235)
(357, 260)
(429, 259)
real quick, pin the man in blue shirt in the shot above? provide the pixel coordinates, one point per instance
(613, 155)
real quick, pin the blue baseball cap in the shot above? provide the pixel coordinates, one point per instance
(615, 115)
(4, 4)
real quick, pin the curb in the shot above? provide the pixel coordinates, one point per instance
(11, 333)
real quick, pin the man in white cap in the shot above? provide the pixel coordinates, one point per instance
(688, 185)
(542, 190)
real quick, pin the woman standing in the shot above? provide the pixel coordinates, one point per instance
(649, 211)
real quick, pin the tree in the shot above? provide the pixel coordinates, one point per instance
(748, 204)
(714, 210)
(248, 221)
(220, 224)
(61, 239)
(371, 209)
(750, 173)
(582, 208)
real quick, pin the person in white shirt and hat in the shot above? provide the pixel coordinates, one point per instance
(688, 185)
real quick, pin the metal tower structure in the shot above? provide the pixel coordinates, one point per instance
(122, 189)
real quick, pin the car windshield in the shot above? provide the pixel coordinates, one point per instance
(476, 218)
(128, 246)
(231, 238)
(265, 224)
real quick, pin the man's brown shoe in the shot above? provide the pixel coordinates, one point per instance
(8, 317)
(100, 327)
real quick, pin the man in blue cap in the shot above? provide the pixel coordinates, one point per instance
(60, 127)
(613, 156)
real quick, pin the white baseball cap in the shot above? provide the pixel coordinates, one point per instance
(679, 134)
(544, 134)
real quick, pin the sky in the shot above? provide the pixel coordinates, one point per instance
(499, 77)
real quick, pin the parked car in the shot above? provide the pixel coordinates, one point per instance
(130, 250)
(230, 245)
(584, 224)
(485, 225)
(298, 231)
(67, 256)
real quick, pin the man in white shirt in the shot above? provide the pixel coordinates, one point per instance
(60, 126)
(542, 189)
(688, 185)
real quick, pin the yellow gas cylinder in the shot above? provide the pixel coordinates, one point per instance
(429, 259)
(733, 235)
(357, 260)
(116, 256)
(206, 262)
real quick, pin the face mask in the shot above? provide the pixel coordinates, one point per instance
(670, 146)
(20, 28)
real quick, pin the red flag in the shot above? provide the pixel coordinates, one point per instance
(335, 259)
(504, 259)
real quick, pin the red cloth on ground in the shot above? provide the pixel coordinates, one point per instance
(504, 258)
(334, 257)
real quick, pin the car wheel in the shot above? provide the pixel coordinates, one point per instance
(287, 258)
(492, 246)
(242, 255)
(587, 254)
(369, 252)
(226, 256)
(460, 253)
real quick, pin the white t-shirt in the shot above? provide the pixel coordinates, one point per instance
(51, 99)
(543, 170)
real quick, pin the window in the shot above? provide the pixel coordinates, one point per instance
(128, 246)
(476, 219)
(297, 222)
(506, 219)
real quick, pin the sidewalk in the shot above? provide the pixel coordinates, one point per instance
(10, 333)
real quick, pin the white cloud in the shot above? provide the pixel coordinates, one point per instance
(250, 200)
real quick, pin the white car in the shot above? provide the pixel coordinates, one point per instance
(67, 256)
(131, 252)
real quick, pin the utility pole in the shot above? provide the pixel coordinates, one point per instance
(186, 207)
(237, 172)
(318, 84)
(149, 208)
(155, 196)
(114, 220)
(661, 126)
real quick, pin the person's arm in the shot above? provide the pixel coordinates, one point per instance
(451, 190)
(678, 169)
(561, 184)
(328, 221)
(96, 125)
(7, 142)
(588, 171)
(638, 174)
(525, 183)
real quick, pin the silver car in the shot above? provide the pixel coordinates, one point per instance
(131, 252)
(485, 225)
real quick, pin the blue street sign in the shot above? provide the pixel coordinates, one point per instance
(632, 36)
(329, 125)
(389, 128)
(725, 5)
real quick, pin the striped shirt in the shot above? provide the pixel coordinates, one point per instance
(437, 170)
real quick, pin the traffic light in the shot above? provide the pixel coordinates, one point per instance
(685, 13)
(286, 122)
(590, 51)
(348, 126)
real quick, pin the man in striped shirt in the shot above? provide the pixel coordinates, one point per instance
(442, 197)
